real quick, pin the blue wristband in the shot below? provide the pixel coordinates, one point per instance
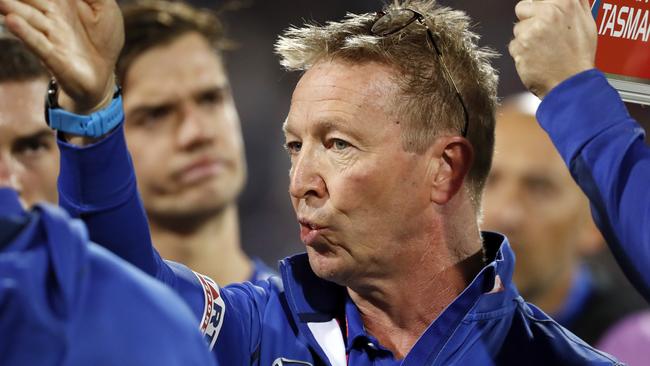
(94, 125)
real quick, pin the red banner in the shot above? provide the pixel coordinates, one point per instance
(623, 37)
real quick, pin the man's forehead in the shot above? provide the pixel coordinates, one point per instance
(361, 80)
(518, 128)
(183, 67)
(343, 89)
(21, 105)
(523, 145)
(23, 93)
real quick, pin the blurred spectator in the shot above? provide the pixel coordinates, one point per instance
(25, 139)
(63, 300)
(185, 138)
(531, 197)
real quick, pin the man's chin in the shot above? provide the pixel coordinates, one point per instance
(185, 213)
(327, 267)
(188, 202)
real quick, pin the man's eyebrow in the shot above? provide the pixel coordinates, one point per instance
(221, 89)
(325, 125)
(44, 133)
(148, 107)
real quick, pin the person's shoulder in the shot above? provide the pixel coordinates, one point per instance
(537, 337)
(261, 271)
(113, 277)
(136, 307)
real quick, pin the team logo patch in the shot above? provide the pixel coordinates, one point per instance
(213, 312)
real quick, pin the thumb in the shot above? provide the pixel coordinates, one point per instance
(586, 5)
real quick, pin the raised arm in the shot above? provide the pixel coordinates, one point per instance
(79, 41)
(554, 51)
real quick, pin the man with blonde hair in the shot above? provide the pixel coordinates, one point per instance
(390, 136)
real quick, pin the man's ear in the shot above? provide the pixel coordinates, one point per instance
(452, 158)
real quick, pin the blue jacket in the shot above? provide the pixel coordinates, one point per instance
(298, 319)
(605, 150)
(64, 301)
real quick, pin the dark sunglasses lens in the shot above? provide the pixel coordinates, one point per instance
(393, 21)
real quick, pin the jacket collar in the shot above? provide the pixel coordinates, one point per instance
(9, 203)
(314, 300)
(12, 217)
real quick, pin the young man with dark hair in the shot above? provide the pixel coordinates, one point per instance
(184, 135)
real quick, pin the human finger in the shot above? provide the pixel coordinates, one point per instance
(527, 9)
(44, 6)
(514, 48)
(31, 15)
(34, 39)
(521, 27)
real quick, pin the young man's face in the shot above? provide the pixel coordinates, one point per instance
(359, 196)
(183, 130)
(28, 152)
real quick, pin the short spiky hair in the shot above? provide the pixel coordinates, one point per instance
(427, 99)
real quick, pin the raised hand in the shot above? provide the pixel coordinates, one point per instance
(78, 40)
(554, 40)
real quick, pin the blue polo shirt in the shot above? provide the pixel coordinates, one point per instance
(294, 320)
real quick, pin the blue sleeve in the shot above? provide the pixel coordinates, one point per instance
(605, 151)
(97, 183)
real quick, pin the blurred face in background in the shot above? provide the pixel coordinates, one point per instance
(531, 197)
(29, 158)
(183, 130)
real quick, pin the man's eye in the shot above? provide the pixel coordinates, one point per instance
(540, 187)
(158, 113)
(210, 98)
(293, 147)
(31, 147)
(339, 144)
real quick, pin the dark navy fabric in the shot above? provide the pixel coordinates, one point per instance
(273, 322)
(605, 150)
(64, 301)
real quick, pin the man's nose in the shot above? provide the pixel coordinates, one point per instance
(8, 177)
(196, 127)
(306, 178)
